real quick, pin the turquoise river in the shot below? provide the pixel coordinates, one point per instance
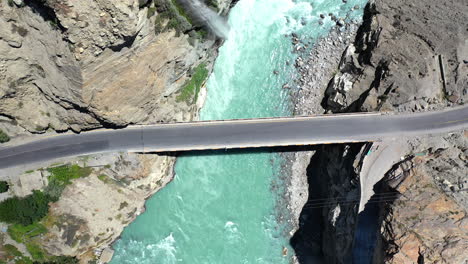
(221, 206)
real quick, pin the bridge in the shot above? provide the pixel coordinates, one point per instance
(230, 134)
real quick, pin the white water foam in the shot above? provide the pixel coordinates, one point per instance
(233, 233)
(208, 17)
(144, 253)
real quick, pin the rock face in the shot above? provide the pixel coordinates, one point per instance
(403, 59)
(93, 211)
(407, 56)
(40, 80)
(428, 223)
(78, 65)
(93, 26)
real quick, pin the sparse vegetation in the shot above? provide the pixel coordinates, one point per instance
(26, 235)
(151, 12)
(123, 205)
(29, 236)
(4, 137)
(36, 251)
(213, 4)
(10, 252)
(103, 178)
(171, 16)
(29, 210)
(189, 92)
(181, 11)
(62, 176)
(4, 186)
(202, 33)
(61, 260)
(22, 234)
(66, 173)
(382, 97)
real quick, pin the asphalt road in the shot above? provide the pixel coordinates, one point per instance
(234, 134)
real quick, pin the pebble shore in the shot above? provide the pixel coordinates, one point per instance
(315, 68)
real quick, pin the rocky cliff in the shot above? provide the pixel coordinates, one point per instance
(80, 65)
(407, 56)
(428, 222)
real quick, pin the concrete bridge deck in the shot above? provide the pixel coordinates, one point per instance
(230, 134)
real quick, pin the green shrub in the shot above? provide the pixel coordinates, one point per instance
(189, 92)
(37, 253)
(24, 260)
(11, 250)
(103, 178)
(64, 174)
(151, 12)
(171, 16)
(32, 208)
(181, 11)
(25, 211)
(12, 253)
(202, 33)
(54, 189)
(4, 186)
(4, 137)
(60, 260)
(25, 235)
(213, 4)
(21, 233)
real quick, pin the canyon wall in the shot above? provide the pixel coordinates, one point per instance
(82, 65)
(407, 56)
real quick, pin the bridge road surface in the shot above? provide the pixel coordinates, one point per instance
(234, 134)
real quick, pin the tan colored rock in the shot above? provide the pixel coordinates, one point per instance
(104, 74)
(409, 252)
(92, 22)
(138, 85)
(399, 52)
(106, 255)
(92, 211)
(426, 223)
(27, 182)
(40, 82)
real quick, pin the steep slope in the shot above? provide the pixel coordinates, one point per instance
(81, 65)
(407, 56)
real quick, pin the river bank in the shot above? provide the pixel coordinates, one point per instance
(378, 73)
(316, 68)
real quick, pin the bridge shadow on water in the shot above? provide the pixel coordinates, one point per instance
(239, 151)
